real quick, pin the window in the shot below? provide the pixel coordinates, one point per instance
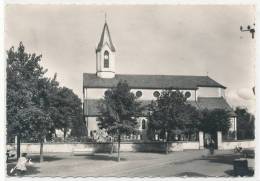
(106, 59)
(187, 94)
(156, 94)
(107, 93)
(138, 94)
(143, 124)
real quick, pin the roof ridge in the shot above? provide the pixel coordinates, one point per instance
(165, 75)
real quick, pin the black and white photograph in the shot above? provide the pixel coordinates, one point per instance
(130, 90)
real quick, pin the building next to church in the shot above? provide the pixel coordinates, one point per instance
(202, 91)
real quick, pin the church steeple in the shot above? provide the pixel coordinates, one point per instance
(105, 55)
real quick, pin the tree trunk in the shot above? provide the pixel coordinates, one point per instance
(41, 150)
(112, 142)
(18, 146)
(118, 148)
(64, 133)
(166, 143)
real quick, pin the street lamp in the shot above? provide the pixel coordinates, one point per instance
(250, 29)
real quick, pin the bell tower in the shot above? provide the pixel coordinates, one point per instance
(105, 55)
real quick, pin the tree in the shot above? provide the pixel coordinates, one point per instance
(34, 101)
(171, 113)
(245, 124)
(23, 73)
(67, 112)
(215, 120)
(119, 111)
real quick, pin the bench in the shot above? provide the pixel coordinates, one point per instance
(83, 151)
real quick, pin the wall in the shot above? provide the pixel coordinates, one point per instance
(147, 94)
(106, 147)
(92, 124)
(229, 145)
(210, 92)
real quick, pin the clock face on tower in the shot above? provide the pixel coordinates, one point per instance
(106, 56)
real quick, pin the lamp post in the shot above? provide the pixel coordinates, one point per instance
(250, 29)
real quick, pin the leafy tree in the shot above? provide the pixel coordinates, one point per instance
(34, 101)
(67, 112)
(245, 124)
(170, 113)
(23, 73)
(215, 120)
(119, 111)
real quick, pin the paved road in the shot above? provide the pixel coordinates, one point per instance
(187, 163)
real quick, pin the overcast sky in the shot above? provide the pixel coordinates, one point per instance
(174, 40)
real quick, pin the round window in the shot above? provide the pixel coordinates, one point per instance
(187, 94)
(156, 94)
(107, 92)
(138, 94)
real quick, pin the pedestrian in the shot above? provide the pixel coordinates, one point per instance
(211, 147)
(21, 165)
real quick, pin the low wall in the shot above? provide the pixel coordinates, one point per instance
(227, 145)
(106, 147)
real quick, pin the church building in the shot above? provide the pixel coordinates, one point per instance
(202, 91)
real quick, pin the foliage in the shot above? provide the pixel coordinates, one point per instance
(171, 113)
(66, 110)
(23, 73)
(245, 124)
(214, 120)
(119, 111)
(34, 101)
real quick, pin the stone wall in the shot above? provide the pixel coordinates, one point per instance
(229, 145)
(106, 147)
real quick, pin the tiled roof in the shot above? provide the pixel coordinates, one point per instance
(101, 42)
(202, 103)
(214, 103)
(151, 81)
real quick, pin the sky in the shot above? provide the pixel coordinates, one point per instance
(149, 39)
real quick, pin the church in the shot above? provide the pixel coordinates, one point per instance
(201, 91)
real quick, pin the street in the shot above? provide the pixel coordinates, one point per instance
(193, 163)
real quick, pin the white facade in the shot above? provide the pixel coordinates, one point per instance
(147, 94)
(210, 92)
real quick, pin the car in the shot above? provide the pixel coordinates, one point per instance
(248, 153)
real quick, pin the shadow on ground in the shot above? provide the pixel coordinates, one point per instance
(224, 159)
(190, 174)
(36, 158)
(31, 170)
(104, 158)
(227, 159)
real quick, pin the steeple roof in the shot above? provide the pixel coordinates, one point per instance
(105, 38)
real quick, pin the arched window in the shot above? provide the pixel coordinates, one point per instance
(143, 124)
(106, 59)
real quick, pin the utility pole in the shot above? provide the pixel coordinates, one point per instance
(252, 31)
